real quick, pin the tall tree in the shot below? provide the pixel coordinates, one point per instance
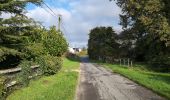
(14, 31)
(149, 20)
(102, 43)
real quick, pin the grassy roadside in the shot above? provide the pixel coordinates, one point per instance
(158, 82)
(61, 86)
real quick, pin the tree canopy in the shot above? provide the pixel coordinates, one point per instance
(22, 38)
(102, 43)
(147, 24)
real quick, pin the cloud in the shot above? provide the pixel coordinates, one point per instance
(79, 16)
(6, 15)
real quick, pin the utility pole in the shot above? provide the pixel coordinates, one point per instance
(59, 22)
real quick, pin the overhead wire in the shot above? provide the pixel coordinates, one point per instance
(48, 11)
(50, 8)
(65, 30)
(56, 16)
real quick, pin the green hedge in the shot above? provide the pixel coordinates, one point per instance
(49, 64)
(23, 76)
(2, 86)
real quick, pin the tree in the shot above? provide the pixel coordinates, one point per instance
(54, 42)
(149, 21)
(102, 43)
(14, 31)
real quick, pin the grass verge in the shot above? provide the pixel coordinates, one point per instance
(60, 86)
(158, 82)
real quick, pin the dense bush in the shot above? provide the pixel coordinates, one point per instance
(160, 63)
(45, 47)
(54, 42)
(49, 64)
(146, 32)
(102, 43)
(34, 50)
(2, 86)
(23, 41)
(23, 76)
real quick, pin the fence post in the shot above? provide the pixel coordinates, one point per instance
(124, 62)
(128, 62)
(131, 63)
(120, 61)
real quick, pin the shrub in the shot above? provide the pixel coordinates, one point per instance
(49, 65)
(34, 50)
(2, 86)
(25, 72)
(55, 43)
(160, 63)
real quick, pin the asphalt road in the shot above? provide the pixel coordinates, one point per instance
(97, 83)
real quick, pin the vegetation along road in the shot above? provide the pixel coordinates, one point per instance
(60, 86)
(97, 83)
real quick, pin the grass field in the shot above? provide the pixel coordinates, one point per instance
(61, 86)
(158, 82)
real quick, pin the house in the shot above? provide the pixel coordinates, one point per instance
(77, 50)
(71, 50)
(74, 50)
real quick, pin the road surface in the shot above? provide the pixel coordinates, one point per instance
(97, 83)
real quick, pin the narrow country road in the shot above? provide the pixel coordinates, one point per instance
(97, 83)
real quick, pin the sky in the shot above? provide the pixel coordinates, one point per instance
(78, 17)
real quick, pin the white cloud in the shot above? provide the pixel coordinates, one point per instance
(81, 16)
(6, 15)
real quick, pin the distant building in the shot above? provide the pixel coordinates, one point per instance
(74, 50)
(71, 50)
(77, 49)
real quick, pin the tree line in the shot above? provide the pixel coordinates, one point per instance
(145, 36)
(25, 42)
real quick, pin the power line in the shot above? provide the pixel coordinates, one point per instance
(58, 16)
(65, 31)
(48, 11)
(63, 25)
(50, 8)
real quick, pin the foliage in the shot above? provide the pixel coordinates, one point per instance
(22, 37)
(34, 50)
(55, 43)
(15, 31)
(147, 22)
(23, 41)
(25, 73)
(61, 86)
(102, 43)
(49, 65)
(2, 86)
(5, 51)
(83, 53)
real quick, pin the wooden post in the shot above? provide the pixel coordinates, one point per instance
(124, 62)
(120, 62)
(131, 63)
(128, 62)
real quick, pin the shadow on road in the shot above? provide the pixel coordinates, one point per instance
(84, 59)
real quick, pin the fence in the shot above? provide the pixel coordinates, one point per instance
(126, 62)
(11, 73)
